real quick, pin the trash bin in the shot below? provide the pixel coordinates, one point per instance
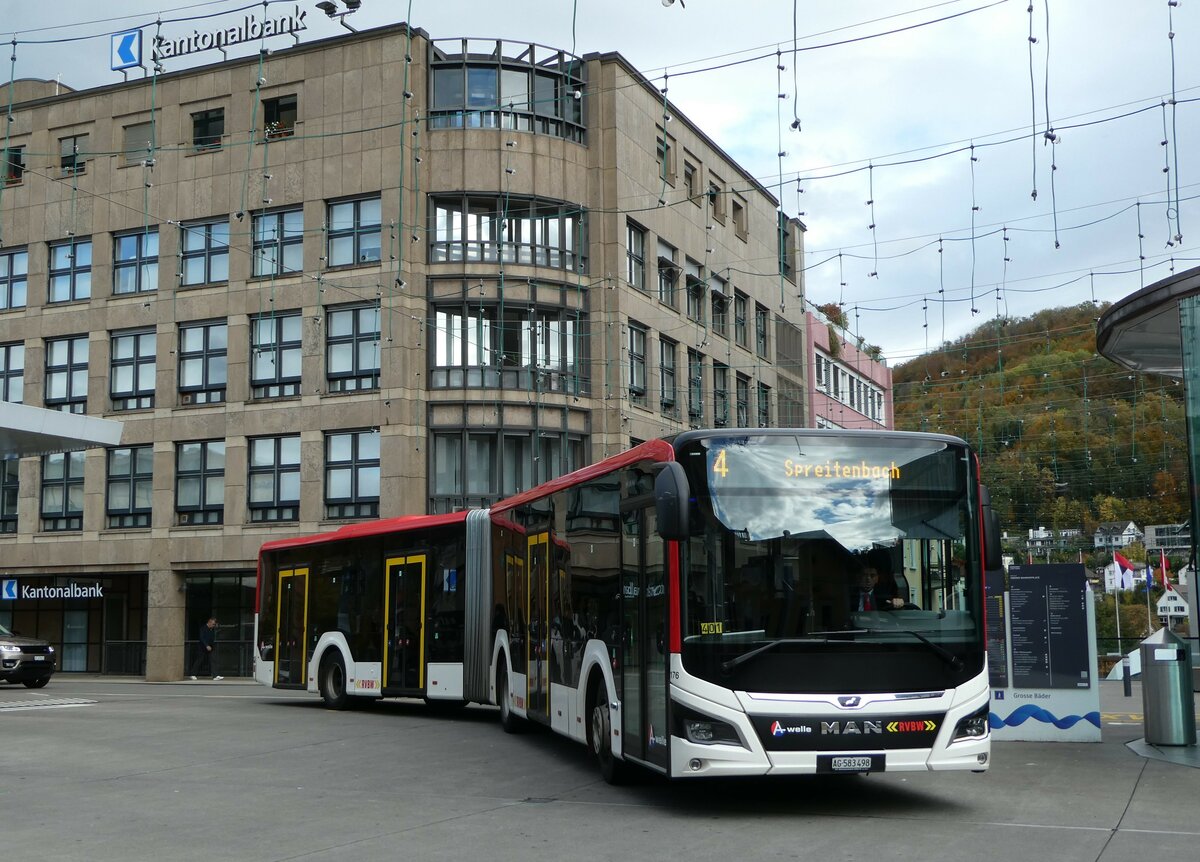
(1168, 705)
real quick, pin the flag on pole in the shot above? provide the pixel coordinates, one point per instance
(1163, 568)
(1149, 577)
(1124, 571)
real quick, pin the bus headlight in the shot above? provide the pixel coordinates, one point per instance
(704, 729)
(974, 726)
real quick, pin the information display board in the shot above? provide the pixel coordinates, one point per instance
(1049, 690)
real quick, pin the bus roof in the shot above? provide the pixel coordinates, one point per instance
(652, 450)
(402, 524)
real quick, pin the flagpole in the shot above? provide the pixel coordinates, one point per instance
(1117, 604)
(1149, 618)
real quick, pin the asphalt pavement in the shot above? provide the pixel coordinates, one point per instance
(100, 769)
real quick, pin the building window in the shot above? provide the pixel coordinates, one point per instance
(477, 468)
(279, 243)
(135, 262)
(716, 199)
(205, 252)
(720, 308)
(761, 316)
(668, 275)
(352, 348)
(70, 271)
(764, 406)
(62, 492)
(720, 395)
(353, 232)
(635, 256)
(512, 86)
(695, 362)
(352, 474)
(203, 362)
(787, 238)
(510, 230)
(666, 159)
(537, 348)
(740, 227)
(691, 182)
(637, 363)
(12, 372)
(139, 143)
(667, 350)
(10, 490)
(207, 129)
(274, 478)
(129, 495)
(12, 165)
(73, 154)
(275, 355)
(133, 368)
(67, 374)
(200, 482)
(740, 329)
(279, 116)
(743, 401)
(14, 278)
(695, 295)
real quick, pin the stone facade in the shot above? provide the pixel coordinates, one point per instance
(567, 362)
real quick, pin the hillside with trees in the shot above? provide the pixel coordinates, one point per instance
(1066, 438)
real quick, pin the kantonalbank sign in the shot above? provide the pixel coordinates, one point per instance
(246, 30)
(12, 589)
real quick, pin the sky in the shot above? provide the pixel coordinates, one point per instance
(935, 122)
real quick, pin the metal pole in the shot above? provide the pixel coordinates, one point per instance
(1126, 682)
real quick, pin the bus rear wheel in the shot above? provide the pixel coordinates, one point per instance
(333, 682)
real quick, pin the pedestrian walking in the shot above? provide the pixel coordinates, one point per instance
(206, 654)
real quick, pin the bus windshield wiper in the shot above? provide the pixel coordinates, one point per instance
(944, 654)
(770, 645)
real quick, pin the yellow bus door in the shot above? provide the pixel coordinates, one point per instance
(291, 627)
(404, 623)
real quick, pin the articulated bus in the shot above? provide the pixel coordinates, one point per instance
(694, 606)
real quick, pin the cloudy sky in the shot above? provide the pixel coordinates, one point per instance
(890, 96)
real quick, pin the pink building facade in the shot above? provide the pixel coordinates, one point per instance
(849, 388)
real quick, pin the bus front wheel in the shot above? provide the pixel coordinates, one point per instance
(333, 682)
(509, 720)
(611, 770)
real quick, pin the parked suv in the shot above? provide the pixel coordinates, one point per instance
(26, 660)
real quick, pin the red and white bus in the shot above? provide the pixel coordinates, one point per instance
(696, 605)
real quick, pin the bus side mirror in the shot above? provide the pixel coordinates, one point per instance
(671, 502)
(993, 556)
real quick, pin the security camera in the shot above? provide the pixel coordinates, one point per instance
(682, 5)
(328, 8)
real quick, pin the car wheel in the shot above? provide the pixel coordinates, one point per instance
(37, 683)
(333, 682)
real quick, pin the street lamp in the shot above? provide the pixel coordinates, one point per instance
(331, 10)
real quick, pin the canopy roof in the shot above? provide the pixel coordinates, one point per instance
(26, 430)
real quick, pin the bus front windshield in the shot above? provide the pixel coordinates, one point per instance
(831, 562)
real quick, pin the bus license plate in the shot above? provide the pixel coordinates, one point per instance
(827, 763)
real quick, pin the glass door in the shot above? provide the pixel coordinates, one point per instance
(291, 624)
(644, 666)
(404, 627)
(537, 704)
(75, 646)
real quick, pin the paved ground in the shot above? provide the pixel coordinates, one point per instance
(95, 769)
